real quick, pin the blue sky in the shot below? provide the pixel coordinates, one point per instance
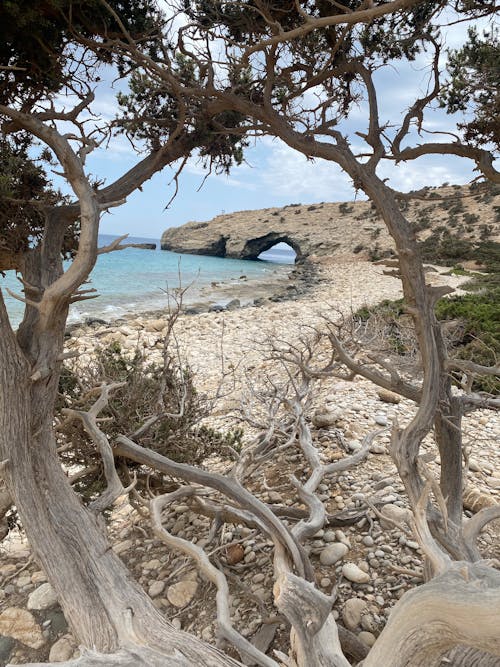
(272, 174)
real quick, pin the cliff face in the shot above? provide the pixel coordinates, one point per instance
(332, 229)
(320, 229)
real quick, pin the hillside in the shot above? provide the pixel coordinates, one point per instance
(469, 213)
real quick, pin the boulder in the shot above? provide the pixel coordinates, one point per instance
(21, 625)
(143, 246)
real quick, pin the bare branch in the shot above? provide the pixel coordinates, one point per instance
(214, 575)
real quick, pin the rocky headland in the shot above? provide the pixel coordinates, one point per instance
(338, 229)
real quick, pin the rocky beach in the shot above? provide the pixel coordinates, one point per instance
(370, 562)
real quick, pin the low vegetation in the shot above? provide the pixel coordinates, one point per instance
(473, 319)
(142, 389)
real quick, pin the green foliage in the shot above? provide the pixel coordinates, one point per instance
(24, 189)
(448, 248)
(479, 324)
(479, 310)
(392, 309)
(345, 209)
(151, 112)
(38, 37)
(148, 389)
(474, 86)
(476, 336)
(389, 319)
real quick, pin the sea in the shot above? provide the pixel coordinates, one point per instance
(136, 280)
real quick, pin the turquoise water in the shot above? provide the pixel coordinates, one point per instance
(136, 280)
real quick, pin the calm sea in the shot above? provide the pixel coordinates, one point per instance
(136, 280)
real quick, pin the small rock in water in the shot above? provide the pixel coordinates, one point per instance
(352, 572)
(234, 304)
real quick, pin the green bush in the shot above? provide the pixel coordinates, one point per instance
(149, 389)
(479, 341)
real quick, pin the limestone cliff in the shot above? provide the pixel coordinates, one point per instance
(335, 229)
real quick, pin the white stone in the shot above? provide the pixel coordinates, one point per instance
(333, 553)
(352, 572)
(352, 612)
(43, 597)
(182, 593)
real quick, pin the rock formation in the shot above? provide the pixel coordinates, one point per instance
(143, 246)
(332, 229)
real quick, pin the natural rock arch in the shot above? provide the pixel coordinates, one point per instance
(255, 246)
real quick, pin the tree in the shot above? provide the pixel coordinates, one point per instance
(292, 70)
(474, 81)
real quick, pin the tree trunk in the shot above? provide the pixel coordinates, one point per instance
(104, 606)
(462, 604)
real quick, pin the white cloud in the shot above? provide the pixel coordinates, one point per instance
(287, 173)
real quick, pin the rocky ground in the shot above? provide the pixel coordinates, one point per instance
(371, 563)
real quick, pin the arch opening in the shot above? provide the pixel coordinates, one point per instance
(280, 253)
(286, 248)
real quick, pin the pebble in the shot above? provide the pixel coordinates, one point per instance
(367, 638)
(353, 573)
(369, 623)
(156, 589)
(62, 650)
(182, 593)
(388, 396)
(381, 420)
(326, 419)
(21, 625)
(353, 610)
(333, 553)
(43, 597)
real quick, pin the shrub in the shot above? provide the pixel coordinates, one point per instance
(167, 390)
(479, 318)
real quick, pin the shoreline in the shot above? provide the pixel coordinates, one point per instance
(280, 286)
(323, 289)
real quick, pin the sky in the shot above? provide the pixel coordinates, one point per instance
(272, 173)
